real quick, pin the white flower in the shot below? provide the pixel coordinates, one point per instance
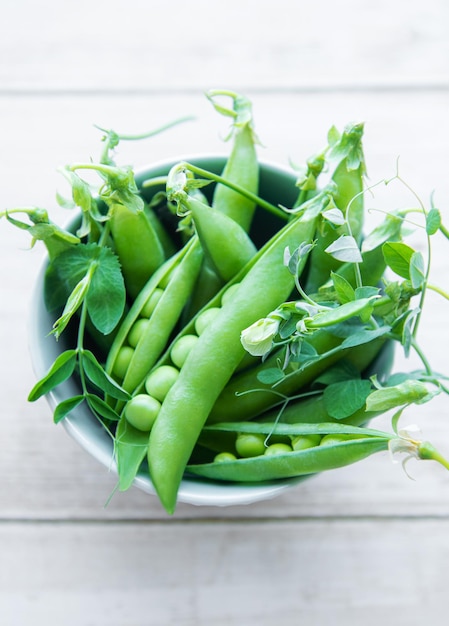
(257, 339)
(405, 443)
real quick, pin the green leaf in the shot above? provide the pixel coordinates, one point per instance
(344, 398)
(343, 289)
(345, 249)
(360, 337)
(65, 407)
(100, 378)
(100, 407)
(343, 370)
(417, 270)
(388, 230)
(270, 376)
(335, 216)
(433, 221)
(107, 295)
(408, 392)
(61, 370)
(397, 256)
(131, 446)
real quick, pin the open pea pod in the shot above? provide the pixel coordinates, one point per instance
(174, 280)
(265, 283)
(360, 444)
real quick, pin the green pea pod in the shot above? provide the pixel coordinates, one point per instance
(242, 167)
(361, 444)
(245, 396)
(164, 317)
(178, 275)
(348, 197)
(225, 243)
(137, 246)
(217, 353)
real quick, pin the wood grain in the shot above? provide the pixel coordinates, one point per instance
(358, 545)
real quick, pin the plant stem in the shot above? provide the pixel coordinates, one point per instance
(251, 196)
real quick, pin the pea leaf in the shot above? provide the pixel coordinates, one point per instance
(344, 398)
(270, 375)
(345, 249)
(417, 270)
(388, 230)
(92, 272)
(343, 289)
(65, 407)
(131, 447)
(100, 378)
(61, 370)
(397, 256)
(360, 337)
(107, 295)
(100, 407)
(433, 221)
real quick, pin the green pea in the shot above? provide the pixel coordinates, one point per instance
(205, 318)
(150, 305)
(249, 444)
(302, 442)
(222, 457)
(277, 448)
(141, 411)
(137, 330)
(121, 363)
(228, 293)
(160, 381)
(333, 438)
(181, 349)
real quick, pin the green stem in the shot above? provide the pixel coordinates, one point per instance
(422, 356)
(251, 196)
(438, 290)
(444, 231)
(426, 451)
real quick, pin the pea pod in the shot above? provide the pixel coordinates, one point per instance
(224, 241)
(242, 166)
(177, 276)
(137, 245)
(359, 444)
(245, 396)
(216, 355)
(348, 179)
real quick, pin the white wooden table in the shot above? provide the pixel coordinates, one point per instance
(361, 545)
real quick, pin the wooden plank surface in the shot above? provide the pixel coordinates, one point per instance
(358, 545)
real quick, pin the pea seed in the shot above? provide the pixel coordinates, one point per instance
(205, 318)
(333, 438)
(141, 411)
(159, 382)
(151, 303)
(136, 331)
(181, 348)
(222, 457)
(121, 364)
(302, 442)
(227, 295)
(250, 444)
(277, 448)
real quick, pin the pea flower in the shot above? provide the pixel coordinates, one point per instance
(406, 443)
(257, 339)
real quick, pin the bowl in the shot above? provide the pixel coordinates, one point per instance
(277, 185)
